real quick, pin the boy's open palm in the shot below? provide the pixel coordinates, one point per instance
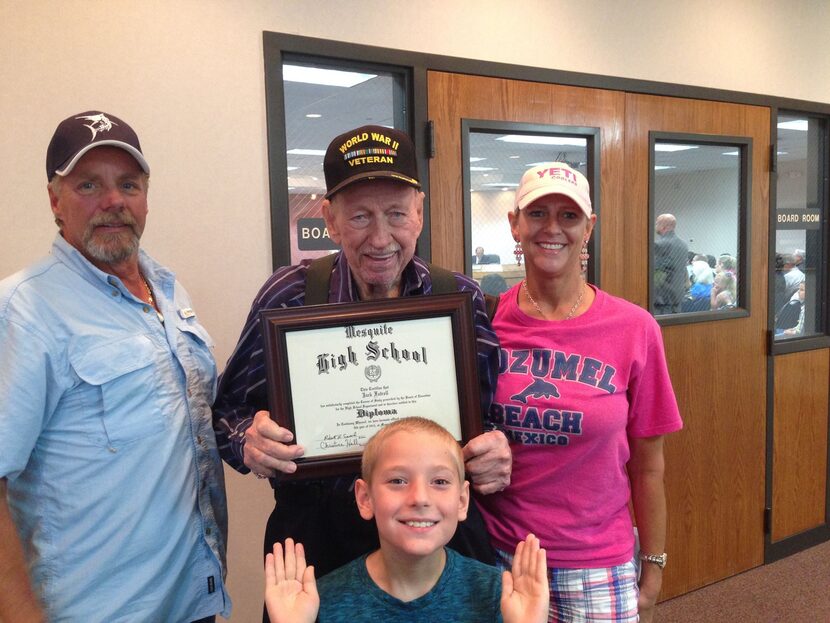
(525, 593)
(290, 588)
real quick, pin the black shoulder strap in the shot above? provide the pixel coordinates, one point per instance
(317, 280)
(443, 280)
(492, 304)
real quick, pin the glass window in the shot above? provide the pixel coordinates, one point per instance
(324, 98)
(798, 276)
(496, 155)
(698, 208)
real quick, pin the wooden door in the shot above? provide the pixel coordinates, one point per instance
(715, 466)
(799, 455)
(453, 97)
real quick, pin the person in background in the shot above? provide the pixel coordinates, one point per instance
(798, 329)
(585, 398)
(727, 264)
(792, 275)
(799, 257)
(779, 284)
(669, 266)
(112, 495)
(480, 257)
(700, 292)
(723, 282)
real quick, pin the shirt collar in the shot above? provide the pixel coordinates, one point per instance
(154, 272)
(415, 280)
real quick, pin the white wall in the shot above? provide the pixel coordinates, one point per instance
(188, 75)
(705, 204)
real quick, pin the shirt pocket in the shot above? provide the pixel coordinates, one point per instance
(119, 378)
(196, 353)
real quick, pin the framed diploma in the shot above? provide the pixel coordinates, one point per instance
(338, 373)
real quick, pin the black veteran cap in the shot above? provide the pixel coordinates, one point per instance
(78, 134)
(367, 153)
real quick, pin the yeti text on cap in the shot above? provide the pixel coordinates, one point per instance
(558, 173)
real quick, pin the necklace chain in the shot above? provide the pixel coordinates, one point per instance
(539, 309)
(152, 300)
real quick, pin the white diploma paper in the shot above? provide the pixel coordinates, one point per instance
(349, 381)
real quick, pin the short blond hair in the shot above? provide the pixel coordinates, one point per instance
(409, 425)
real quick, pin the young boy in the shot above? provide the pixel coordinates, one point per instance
(413, 486)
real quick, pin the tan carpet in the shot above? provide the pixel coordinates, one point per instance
(793, 590)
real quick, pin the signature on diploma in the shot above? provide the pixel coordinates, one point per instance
(342, 440)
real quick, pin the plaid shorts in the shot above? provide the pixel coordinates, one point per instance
(589, 595)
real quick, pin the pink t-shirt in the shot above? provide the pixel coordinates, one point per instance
(569, 395)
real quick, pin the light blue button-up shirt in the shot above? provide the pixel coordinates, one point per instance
(114, 481)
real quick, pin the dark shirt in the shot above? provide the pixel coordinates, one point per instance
(466, 591)
(486, 259)
(670, 259)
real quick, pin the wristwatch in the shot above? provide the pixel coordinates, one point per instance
(659, 560)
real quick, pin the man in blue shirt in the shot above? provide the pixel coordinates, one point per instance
(112, 499)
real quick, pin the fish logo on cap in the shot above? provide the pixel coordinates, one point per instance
(98, 123)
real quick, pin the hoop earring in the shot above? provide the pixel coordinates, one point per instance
(518, 252)
(583, 256)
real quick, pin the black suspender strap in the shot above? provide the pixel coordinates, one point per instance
(491, 303)
(317, 280)
(443, 281)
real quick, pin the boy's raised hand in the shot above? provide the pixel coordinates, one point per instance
(290, 588)
(525, 593)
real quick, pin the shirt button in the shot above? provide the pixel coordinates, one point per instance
(146, 309)
(114, 292)
(207, 531)
(199, 439)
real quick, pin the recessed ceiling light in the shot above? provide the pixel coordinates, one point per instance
(543, 140)
(291, 168)
(501, 184)
(662, 168)
(483, 168)
(473, 159)
(731, 153)
(513, 157)
(672, 147)
(326, 77)
(313, 115)
(795, 124)
(306, 152)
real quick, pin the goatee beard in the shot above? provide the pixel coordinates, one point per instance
(111, 248)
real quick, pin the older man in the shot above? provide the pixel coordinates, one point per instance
(374, 210)
(112, 503)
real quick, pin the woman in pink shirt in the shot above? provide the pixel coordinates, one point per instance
(585, 398)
